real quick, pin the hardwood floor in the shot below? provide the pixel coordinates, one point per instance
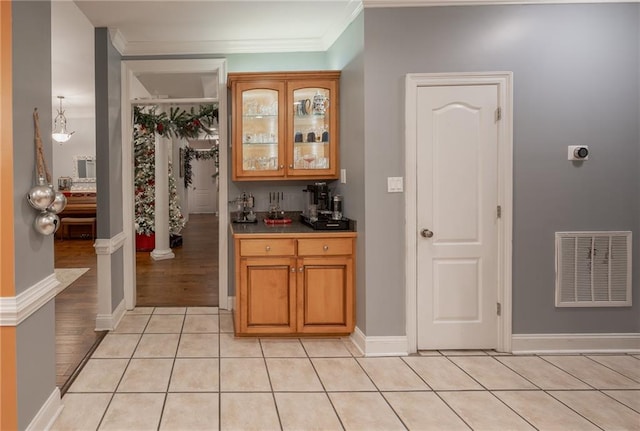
(76, 308)
(188, 280)
(191, 279)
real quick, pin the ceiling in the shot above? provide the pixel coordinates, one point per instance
(146, 27)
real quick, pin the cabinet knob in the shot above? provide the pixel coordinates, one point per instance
(290, 166)
(281, 166)
(301, 269)
(325, 247)
(293, 269)
(268, 248)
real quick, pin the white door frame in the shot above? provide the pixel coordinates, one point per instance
(129, 69)
(504, 80)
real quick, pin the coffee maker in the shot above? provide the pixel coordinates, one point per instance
(319, 211)
(318, 199)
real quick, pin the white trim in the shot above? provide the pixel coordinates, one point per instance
(576, 343)
(129, 69)
(118, 40)
(48, 413)
(105, 248)
(231, 303)
(109, 321)
(380, 346)
(425, 3)
(109, 246)
(504, 80)
(322, 43)
(15, 309)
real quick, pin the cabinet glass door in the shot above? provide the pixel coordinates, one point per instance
(312, 128)
(260, 132)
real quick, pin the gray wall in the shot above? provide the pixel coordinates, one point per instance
(117, 278)
(31, 69)
(31, 89)
(576, 78)
(109, 153)
(36, 359)
(108, 136)
(346, 54)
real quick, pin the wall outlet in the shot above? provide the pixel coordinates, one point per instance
(343, 176)
(395, 185)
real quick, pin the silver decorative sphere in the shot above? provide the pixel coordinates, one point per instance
(59, 202)
(46, 223)
(41, 195)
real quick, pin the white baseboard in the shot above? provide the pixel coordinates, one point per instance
(48, 413)
(231, 303)
(108, 322)
(380, 346)
(575, 343)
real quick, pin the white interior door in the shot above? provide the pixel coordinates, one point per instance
(457, 198)
(203, 195)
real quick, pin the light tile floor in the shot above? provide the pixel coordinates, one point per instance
(182, 369)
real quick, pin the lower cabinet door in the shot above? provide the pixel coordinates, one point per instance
(325, 295)
(267, 295)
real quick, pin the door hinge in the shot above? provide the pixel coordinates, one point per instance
(499, 211)
(498, 309)
(498, 114)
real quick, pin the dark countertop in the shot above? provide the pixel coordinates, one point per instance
(295, 227)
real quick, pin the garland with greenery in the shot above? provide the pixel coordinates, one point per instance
(189, 154)
(179, 123)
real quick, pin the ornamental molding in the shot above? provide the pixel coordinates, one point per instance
(109, 246)
(15, 309)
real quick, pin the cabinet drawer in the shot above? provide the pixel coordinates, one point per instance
(325, 247)
(267, 247)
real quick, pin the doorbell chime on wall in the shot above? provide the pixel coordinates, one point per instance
(578, 152)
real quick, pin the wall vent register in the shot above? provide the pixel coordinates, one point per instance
(593, 269)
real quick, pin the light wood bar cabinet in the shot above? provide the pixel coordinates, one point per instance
(295, 284)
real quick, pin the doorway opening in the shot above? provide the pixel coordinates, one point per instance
(210, 75)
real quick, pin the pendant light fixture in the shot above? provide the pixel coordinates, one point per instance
(60, 132)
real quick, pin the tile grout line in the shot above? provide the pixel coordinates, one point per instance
(273, 395)
(173, 365)
(324, 388)
(113, 394)
(608, 367)
(486, 389)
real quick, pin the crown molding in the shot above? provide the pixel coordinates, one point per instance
(353, 10)
(221, 47)
(118, 40)
(134, 48)
(423, 3)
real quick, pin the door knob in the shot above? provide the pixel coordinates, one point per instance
(426, 233)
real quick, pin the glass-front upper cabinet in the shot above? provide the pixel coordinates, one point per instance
(258, 132)
(312, 128)
(284, 125)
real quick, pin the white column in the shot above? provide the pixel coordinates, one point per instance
(162, 249)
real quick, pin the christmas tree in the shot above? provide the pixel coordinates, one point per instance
(144, 180)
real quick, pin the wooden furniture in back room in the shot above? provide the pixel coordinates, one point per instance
(80, 212)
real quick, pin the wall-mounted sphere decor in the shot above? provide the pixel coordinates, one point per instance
(42, 196)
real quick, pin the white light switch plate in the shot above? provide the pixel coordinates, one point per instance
(394, 185)
(343, 176)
